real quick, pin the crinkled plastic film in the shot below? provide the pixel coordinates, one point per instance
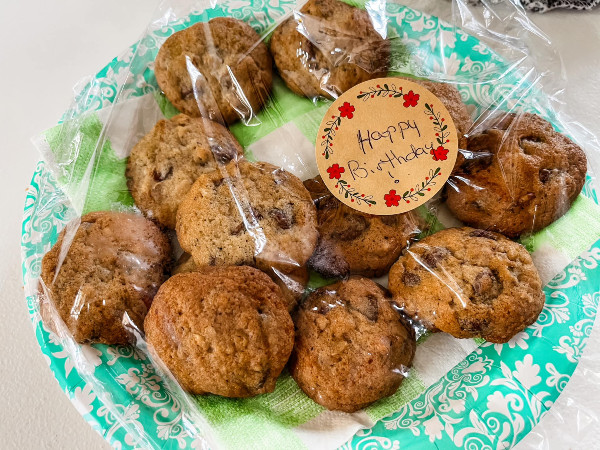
(247, 180)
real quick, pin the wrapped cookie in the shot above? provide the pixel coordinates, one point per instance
(383, 222)
(352, 346)
(469, 283)
(102, 274)
(519, 176)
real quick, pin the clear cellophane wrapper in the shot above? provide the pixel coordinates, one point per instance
(454, 392)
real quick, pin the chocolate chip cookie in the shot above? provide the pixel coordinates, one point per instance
(352, 242)
(224, 330)
(252, 214)
(469, 283)
(163, 166)
(352, 347)
(292, 284)
(220, 70)
(328, 47)
(104, 271)
(519, 177)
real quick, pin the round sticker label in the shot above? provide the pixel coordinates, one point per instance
(386, 146)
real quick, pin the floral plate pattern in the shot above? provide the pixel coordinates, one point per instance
(490, 400)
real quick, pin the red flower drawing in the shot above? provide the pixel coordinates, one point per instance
(346, 110)
(335, 171)
(410, 99)
(392, 198)
(439, 154)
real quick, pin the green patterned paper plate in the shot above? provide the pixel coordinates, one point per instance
(491, 399)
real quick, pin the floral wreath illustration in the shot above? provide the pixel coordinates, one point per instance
(346, 111)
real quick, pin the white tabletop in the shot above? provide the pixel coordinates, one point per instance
(45, 48)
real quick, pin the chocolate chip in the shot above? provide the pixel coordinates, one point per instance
(238, 229)
(411, 279)
(185, 93)
(352, 227)
(367, 306)
(432, 256)
(483, 233)
(222, 154)
(162, 175)
(545, 175)
(486, 286)
(227, 83)
(256, 213)
(477, 205)
(328, 261)
(323, 308)
(283, 219)
(315, 185)
(473, 325)
(217, 182)
(212, 261)
(279, 176)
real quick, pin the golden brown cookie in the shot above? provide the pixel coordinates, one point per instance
(520, 176)
(220, 70)
(165, 163)
(224, 330)
(352, 242)
(328, 47)
(251, 214)
(352, 347)
(292, 284)
(468, 283)
(111, 270)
